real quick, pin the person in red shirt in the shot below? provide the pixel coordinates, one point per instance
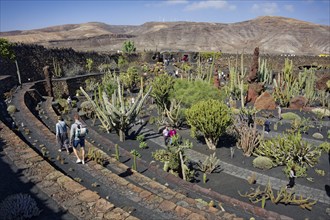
(171, 133)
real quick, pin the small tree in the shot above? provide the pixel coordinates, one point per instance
(129, 47)
(5, 49)
(122, 63)
(162, 85)
(211, 118)
(190, 92)
(7, 53)
(130, 78)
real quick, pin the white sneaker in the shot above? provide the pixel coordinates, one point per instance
(83, 161)
(78, 161)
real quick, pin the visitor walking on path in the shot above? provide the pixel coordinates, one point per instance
(62, 135)
(77, 137)
(171, 133)
(166, 135)
(292, 177)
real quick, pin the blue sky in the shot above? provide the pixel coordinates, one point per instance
(26, 14)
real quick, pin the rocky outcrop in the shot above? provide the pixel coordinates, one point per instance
(321, 83)
(254, 91)
(265, 102)
(48, 77)
(253, 75)
(298, 102)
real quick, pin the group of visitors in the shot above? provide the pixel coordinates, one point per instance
(78, 132)
(169, 133)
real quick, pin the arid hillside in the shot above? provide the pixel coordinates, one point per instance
(272, 35)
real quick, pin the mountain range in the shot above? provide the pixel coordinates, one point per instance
(273, 35)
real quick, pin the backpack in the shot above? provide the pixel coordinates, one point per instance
(81, 131)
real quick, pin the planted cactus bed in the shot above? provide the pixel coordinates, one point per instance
(222, 182)
(308, 122)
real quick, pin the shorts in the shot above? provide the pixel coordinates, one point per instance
(81, 142)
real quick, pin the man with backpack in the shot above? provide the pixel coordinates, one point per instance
(77, 137)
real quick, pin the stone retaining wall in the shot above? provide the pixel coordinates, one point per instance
(6, 83)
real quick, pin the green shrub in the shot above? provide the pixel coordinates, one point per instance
(11, 109)
(301, 171)
(320, 172)
(275, 126)
(321, 112)
(152, 120)
(74, 103)
(283, 149)
(73, 69)
(263, 163)
(140, 138)
(191, 92)
(291, 116)
(161, 155)
(325, 146)
(211, 118)
(87, 108)
(143, 145)
(63, 103)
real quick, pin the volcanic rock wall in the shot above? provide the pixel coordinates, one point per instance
(32, 58)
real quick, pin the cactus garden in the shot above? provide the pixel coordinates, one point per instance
(241, 122)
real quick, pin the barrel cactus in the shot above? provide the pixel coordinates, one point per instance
(263, 163)
(11, 109)
(18, 206)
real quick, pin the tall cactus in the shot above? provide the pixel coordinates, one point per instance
(265, 74)
(116, 114)
(236, 77)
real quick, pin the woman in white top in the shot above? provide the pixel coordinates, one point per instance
(292, 176)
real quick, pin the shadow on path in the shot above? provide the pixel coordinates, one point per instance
(13, 181)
